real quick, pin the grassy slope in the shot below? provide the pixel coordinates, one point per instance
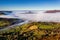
(36, 31)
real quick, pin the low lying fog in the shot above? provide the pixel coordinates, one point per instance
(39, 16)
(34, 16)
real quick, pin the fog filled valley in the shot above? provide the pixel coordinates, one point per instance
(30, 25)
(34, 15)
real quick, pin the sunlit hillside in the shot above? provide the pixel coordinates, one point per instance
(33, 31)
(39, 26)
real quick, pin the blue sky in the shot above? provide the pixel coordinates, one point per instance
(29, 4)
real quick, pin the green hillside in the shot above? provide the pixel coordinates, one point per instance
(33, 31)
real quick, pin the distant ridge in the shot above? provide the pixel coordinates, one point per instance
(5, 12)
(52, 11)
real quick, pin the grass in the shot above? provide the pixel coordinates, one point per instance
(33, 30)
(45, 27)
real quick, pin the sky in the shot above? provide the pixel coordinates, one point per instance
(29, 4)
